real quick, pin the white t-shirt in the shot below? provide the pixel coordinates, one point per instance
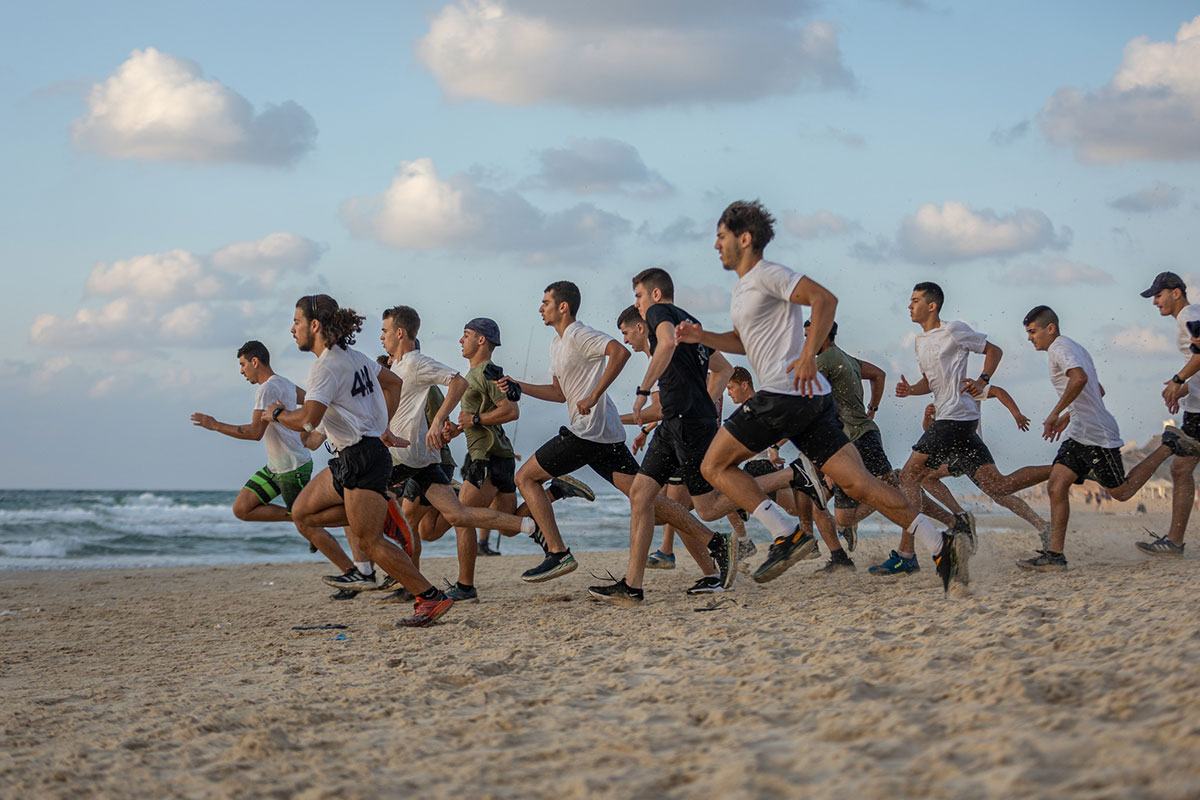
(1190, 402)
(577, 360)
(285, 451)
(771, 326)
(418, 372)
(1091, 424)
(942, 355)
(346, 382)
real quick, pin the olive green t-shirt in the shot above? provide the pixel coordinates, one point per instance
(433, 403)
(482, 396)
(845, 376)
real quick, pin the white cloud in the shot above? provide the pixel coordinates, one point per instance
(954, 232)
(176, 297)
(588, 166)
(103, 387)
(1159, 197)
(1138, 340)
(1150, 110)
(420, 210)
(822, 223)
(157, 107)
(1056, 272)
(683, 229)
(630, 54)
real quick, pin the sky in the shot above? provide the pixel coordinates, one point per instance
(173, 177)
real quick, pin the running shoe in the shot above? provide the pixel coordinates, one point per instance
(461, 594)
(554, 565)
(352, 579)
(344, 594)
(896, 564)
(619, 593)
(425, 612)
(1161, 546)
(566, 486)
(806, 479)
(707, 585)
(816, 551)
(785, 551)
(388, 583)
(964, 524)
(486, 549)
(396, 528)
(401, 595)
(660, 560)
(1044, 561)
(838, 562)
(1180, 443)
(946, 561)
(849, 534)
(746, 548)
(724, 554)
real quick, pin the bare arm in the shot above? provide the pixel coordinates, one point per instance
(824, 305)
(728, 342)
(311, 413)
(617, 356)
(1008, 402)
(454, 392)
(651, 413)
(505, 411)
(905, 389)
(991, 360)
(392, 385)
(877, 378)
(251, 430)
(719, 373)
(550, 392)
(1054, 424)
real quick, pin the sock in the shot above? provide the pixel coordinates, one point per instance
(465, 586)
(1054, 554)
(714, 575)
(773, 518)
(528, 525)
(924, 532)
(432, 593)
(838, 555)
(365, 567)
(904, 554)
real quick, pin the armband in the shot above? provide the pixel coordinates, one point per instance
(643, 392)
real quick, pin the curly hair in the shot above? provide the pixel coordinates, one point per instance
(338, 325)
(750, 217)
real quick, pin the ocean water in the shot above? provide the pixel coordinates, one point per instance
(124, 529)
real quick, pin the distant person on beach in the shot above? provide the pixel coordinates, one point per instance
(1180, 392)
(794, 399)
(350, 400)
(421, 460)
(289, 461)
(942, 350)
(1091, 448)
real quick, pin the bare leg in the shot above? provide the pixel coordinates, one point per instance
(1183, 493)
(1059, 489)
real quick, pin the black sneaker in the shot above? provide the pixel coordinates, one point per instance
(838, 562)
(619, 593)
(486, 549)
(461, 594)
(849, 535)
(1044, 561)
(785, 551)
(401, 595)
(566, 486)
(964, 524)
(707, 585)
(1180, 443)
(344, 594)
(806, 479)
(553, 565)
(353, 579)
(724, 552)
(946, 561)
(388, 583)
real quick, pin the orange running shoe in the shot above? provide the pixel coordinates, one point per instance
(396, 529)
(426, 612)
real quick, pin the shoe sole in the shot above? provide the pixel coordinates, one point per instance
(430, 618)
(343, 595)
(659, 566)
(707, 590)
(564, 568)
(388, 601)
(897, 574)
(1153, 552)
(836, 570)
(1184, 445)
(962, 551)
(810, 471)
(816, 553)
(474, 599)
(850, 537)
(582, 490)
(357, 586)
(731, 552)
(615, 599)
(1043, 567)
(766, 575)
(973, 536)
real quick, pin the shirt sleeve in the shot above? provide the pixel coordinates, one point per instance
(322, 386)
(432, 372)
(591, 342)
(1066, 358)
(779, 281)
(967, 338)
(655, 316)
(260, 397)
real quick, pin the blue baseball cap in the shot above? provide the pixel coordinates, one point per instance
(487, 328)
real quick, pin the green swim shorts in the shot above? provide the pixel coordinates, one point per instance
(268, 485)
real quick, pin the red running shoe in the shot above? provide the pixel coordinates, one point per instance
(396, 529)
(426, 612)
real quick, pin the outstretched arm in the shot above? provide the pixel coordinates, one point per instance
(550, 392)
(1007, 401)
(692, 333)
(252, 430)
(906, 389)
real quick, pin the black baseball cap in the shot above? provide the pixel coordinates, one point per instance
(1165, 280)
(832, 328)
(487, 328)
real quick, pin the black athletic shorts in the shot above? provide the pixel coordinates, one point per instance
(567, 452)
(502, 470)
(955, 443)
(1191, 424)
(810, 423)
(1104, 465)
(366, 464)
(411, 483)
(870, 449)
(679, 445)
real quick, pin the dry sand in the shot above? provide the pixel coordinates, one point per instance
(192, 683)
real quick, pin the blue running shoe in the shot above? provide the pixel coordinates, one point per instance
(896, 564)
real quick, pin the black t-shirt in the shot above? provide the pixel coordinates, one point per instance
(682, 389)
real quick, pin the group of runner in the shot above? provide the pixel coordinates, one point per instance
(390, 483)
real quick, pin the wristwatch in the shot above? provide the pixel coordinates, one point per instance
(643, 392)
(475, 419)
(872, 408)
(986, 377)
(644, 431)
(275, 414)
(1178, 380)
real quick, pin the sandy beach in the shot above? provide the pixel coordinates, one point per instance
(193, 683)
